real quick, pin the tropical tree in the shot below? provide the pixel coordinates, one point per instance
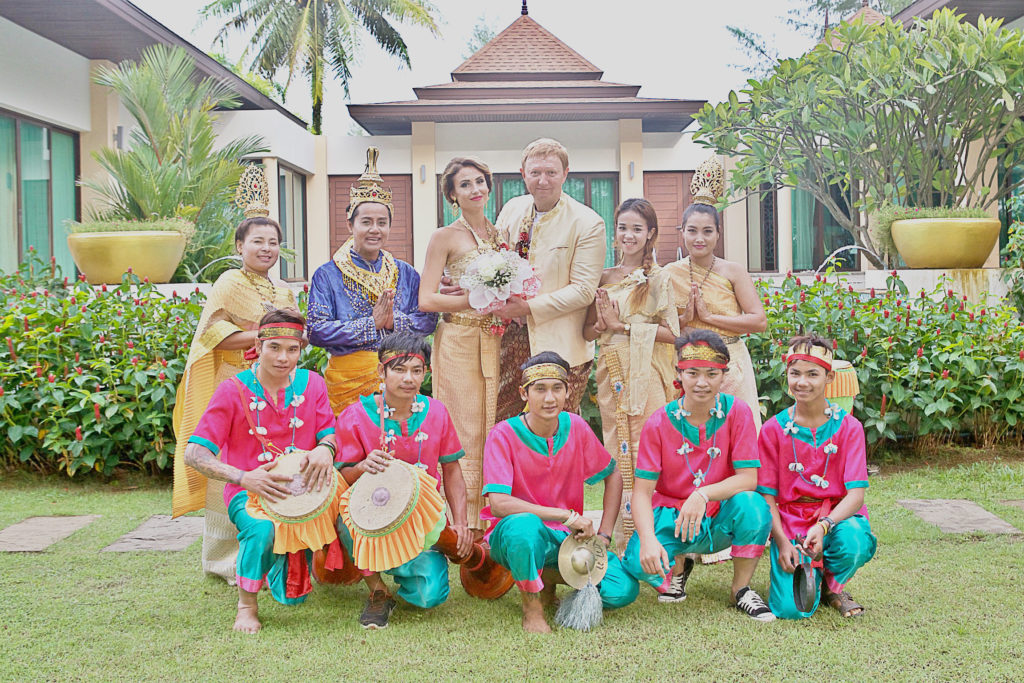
(887, 116)
(174, 164)
(308, 36)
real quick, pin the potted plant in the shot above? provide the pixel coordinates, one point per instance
(105, 250)
(935, 237)
(926, 118)
(175, 172)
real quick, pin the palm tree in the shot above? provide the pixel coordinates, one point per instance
(309, 35)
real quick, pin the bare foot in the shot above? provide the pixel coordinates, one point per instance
(533, 614)
(247, 621)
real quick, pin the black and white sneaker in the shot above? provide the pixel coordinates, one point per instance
(677, 587)
(377, 611)
(751, 604)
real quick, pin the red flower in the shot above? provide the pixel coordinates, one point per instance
(803, 297)
(129, 269)
(96, 411)
(920, 351)
(74, 301)
(131, 344)
(885, 313)
(853, 314)
(163, 362)
(949, 292)
(39, 371)
(57, 329)
(103, 338)
(84, 308)
(893, 273)
(10, 349)
(817, 278)
(78, 370)
(945, 374)
(899, 302)
(888, 340)
(135, 360)
(174, 294)
(983, 311)
(789, 274)
(81, 278)
(841, 305)
(919, 322)
(952, 316)
(794, 308)
(864, 352)
(25, 322)
(850, 288)
(305, 289)
(872, 292)
(51, 378)
(971, 317)
(197, 290)
(945, 308)
(835, 345)
(798, 282)
(77, 357)
(162, 376)
(78, 433)
(855, 336)
(1021, 354)
(965, 297)
(103, 288)
(767, 301)
(922, 293)
(1, 392)
(146, 279)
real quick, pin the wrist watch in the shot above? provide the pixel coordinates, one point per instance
(625, 327)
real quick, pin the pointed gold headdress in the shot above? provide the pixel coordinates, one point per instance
(253, 193)
(370, 187)
(708, 182)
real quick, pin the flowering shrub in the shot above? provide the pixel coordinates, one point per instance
(929, 364)
(88, 376)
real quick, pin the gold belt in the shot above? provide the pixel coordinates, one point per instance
(236, 358)
(484, 321)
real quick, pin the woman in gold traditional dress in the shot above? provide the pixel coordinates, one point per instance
(466, 344)
(714, 294)
(227, 329)
(634, 321)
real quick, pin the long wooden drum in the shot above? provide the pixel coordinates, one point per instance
(392, 515)
(304, 519)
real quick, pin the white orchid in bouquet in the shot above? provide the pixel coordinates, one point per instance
(494, 276)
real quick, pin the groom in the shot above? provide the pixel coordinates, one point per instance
(564, 240)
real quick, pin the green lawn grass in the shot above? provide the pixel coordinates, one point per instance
(940, 607)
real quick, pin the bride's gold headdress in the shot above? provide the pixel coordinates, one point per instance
(708, 182)
(253, 193)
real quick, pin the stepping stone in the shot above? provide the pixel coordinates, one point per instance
(36, 534)
(159, 532)
(958, 516)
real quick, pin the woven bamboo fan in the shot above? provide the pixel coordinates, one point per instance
(392, 515)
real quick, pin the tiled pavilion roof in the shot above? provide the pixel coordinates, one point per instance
(525, 73)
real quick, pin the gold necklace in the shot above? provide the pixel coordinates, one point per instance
(706, 275)
(268, 301)
(492, 232)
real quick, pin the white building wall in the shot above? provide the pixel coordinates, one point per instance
(672, 152)
(346, 155)
(41, 79)
(288, 141)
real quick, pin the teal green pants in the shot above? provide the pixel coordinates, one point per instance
(422, 581)
(524, 545)
(847, 548)
(743, 522)
(257, 564)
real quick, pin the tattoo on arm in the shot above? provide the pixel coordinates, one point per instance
(205, 462)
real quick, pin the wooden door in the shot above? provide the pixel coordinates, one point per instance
(400, 239)
(669, 193)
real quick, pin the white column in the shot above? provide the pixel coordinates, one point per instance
(424, 188)
(784, 229)
(270, 166)
(318, 220)
(631, 159)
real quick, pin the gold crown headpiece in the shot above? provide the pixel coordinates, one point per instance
(280, 331)
(253, 193)
(708, 182)
(535, 373)
(370, 187)
(818, 355)
(389, 356)
(700, 354)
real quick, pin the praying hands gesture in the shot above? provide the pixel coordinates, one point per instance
(608, 315)
(384, 310)
(696, 308)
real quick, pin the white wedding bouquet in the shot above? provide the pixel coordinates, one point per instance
(494, 276)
